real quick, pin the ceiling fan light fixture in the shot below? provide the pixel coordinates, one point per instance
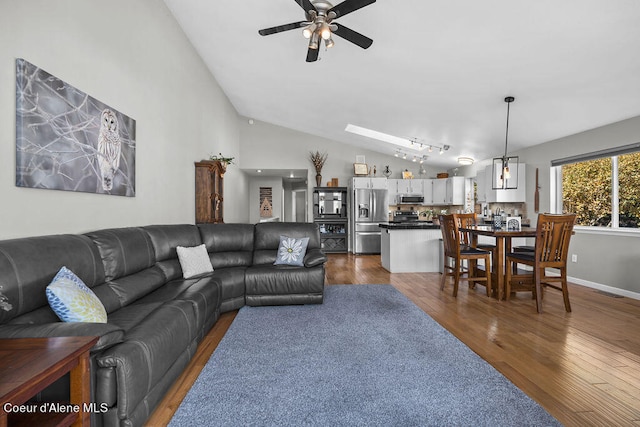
(329, 43)
(325, 32)
(313, 43)
(309, 30)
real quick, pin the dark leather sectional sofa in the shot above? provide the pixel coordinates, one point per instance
(155, 317)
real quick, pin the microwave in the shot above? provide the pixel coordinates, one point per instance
(410, 199)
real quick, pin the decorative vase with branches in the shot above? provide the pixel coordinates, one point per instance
(318, 160)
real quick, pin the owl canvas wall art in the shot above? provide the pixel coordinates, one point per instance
(68, 140)
(109, 148)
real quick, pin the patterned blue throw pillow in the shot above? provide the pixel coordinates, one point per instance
(291, 251)
(73, 301)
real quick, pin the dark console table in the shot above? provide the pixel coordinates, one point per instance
(29, 365)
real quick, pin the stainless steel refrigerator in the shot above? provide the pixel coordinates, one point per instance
(370, 208)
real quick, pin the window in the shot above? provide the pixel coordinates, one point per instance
(603, 188)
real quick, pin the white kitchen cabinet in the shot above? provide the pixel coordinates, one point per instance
(392, 186)
(421, 255)
(439, 192)
(455, 190)
(481, 186)
(448, 191)
(377, 183)
(506, 196)
(427, 191)
(410, 186)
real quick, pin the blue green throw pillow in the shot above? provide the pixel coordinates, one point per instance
(73, 301)
(291, 251)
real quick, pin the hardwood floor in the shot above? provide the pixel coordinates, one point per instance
(583, 367)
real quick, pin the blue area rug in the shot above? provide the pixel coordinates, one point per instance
(368, 356)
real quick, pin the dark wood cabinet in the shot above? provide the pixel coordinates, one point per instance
(209, 191)
(331, 214)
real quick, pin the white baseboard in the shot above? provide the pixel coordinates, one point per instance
(605, 288)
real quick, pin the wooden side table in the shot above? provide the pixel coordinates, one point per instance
(29, 365)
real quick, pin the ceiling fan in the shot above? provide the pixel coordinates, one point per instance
(319, 24)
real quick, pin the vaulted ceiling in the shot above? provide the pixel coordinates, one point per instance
(437, 72)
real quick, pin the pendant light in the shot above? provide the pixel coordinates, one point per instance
(505, 168)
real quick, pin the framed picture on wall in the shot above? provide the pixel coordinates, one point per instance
(68, 140)
(360, 169)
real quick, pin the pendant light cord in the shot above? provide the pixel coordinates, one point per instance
(508, 100)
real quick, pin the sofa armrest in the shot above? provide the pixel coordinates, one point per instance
(314, 257)
(109, 334)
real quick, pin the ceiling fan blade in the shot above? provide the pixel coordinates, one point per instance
(312, 55)
(352, 36)
(349, 6)
(280, 28)
(306, 5)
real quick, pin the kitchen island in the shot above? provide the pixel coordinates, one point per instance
(410, 247)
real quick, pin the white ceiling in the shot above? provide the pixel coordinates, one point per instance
(437, 71)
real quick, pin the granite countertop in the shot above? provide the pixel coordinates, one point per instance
(410, 225)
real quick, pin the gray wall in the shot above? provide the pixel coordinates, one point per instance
(133, 56)
(611, 259)
(607, 260)
(267, 146)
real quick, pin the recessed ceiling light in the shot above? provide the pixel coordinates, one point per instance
(259, 171)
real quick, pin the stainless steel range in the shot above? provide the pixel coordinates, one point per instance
(405, 216)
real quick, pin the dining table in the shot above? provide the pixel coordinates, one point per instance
(503, 238)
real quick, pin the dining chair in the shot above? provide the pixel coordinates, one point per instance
(466, 239)
(456, 250)
(553, 234)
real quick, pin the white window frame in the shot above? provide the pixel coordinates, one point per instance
(555, 179)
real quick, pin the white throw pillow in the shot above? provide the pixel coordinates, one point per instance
(194, 261)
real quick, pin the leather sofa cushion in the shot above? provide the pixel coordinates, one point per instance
(314, 257)
(203, 293)
(165, 238)
(150, 348)
(205, 297)
(124, 251)
(109, 334)
(231, 286)
(27, 266)
(284, 279)
(267, 238)
(229, 245)
(125, 290)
